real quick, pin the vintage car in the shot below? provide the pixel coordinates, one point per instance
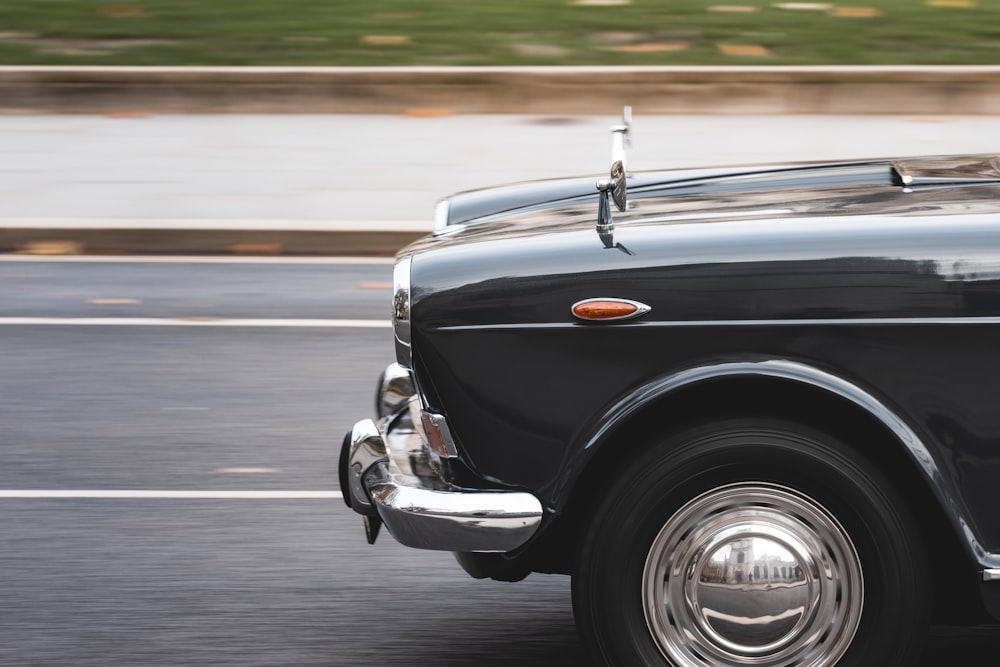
(752, 411)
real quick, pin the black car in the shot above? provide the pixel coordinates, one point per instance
(752, 411)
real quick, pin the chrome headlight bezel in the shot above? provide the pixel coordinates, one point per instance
(401, 304)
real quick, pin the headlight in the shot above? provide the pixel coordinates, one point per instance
(401, 312)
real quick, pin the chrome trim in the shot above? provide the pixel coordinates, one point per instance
(857, 321)
(393, 473)
(753, 574)
(367, 449)
(991, 575)
(401, 304)
(395, 388)
(947, 172)
(453, 518)
(436, 430)
(441, 211)
(615, 187)
(713, 215)
(452, 229)
(398, 397)
(621, 137)
(640, 309)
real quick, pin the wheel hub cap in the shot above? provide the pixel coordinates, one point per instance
(752, 574)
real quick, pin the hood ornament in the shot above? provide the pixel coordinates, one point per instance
(614, 189)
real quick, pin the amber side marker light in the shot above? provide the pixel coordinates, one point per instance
(608, 310)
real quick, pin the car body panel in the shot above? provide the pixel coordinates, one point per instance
(855, 305)
(832, 268)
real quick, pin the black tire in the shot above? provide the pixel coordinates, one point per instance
(647, 590)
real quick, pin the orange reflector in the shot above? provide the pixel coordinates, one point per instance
(608, 309)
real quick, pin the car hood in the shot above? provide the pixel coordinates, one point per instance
(718, 195)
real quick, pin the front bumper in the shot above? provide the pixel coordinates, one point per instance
(389, 472)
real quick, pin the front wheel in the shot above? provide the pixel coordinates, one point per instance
(753, 542)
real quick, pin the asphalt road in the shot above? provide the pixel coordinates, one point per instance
(194, 400)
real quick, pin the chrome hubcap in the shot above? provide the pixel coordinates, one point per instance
(752, 574)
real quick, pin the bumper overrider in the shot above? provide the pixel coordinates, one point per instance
(390, 471)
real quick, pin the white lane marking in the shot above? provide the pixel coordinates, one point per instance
(211, 224)
(188, 259)
(168, 495)
(194, 322)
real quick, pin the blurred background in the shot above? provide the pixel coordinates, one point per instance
(199, 204)
(513, 32)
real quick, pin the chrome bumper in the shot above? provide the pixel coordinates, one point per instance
(392, 475)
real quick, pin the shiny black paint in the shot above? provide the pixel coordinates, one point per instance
(837, 269)
(486, 204)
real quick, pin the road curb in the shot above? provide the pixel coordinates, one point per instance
(145, 241)
(536, 90)
(164, 236)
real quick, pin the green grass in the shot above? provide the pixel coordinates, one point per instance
(488, 32)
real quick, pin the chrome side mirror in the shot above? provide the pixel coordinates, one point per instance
(619, 139)
(614, 188)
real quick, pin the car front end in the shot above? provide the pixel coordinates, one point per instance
(395, 469)
(713, 413)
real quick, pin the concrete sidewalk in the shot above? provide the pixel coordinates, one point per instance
(360, 184)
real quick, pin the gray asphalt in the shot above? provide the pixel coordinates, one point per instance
(224, 582)
(239, 290)
(355, 168)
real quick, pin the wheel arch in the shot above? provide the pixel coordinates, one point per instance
(782, 389)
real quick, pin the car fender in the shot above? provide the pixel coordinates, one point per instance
(630, 405)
